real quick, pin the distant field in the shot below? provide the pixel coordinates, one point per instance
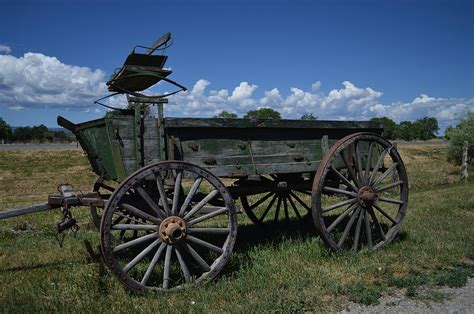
(287, 270)
(45, 147)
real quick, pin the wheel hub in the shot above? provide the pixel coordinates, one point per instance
(366, 196)
(172, 229)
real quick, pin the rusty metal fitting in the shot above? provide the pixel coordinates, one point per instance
(172, 229)
(366, 196)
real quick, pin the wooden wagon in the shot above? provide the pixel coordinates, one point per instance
(167, 188)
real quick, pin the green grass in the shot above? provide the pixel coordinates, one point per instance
(284, 270)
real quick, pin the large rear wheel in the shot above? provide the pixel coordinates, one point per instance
(360, 193)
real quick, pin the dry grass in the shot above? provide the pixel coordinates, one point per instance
(284, 269)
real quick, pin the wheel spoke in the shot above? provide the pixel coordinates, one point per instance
(263, 199)
(357, 232)
(339, 191)
(177, 188)
(378, 164)
(300, 201)
(376, 221)
(368, 232)
(207, 216)
(341, 217)
(135, 242)
(166, 270)
(138, 212)
(285, 207)
(199, 205)
(383, 212)
(277, 210)
(190, 195)
(389, 186)
(129, 218)
(205, 244)
(134, 227)
(150, 201)
(122, 233)
(208, 231)
(141, 255)
(385, 174)
(164, 198)
(390, 200)
(358, 163)
(348, 227)
(369, 161)
(268, 208)
(118, 219)
(182, 264)
(337, 205)
(198, 258)
(294, 207)
(349, 168)
(343, 179)
(153, 263)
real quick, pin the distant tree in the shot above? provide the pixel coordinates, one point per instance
(406, 131)
(39, 133)
(59, 136)
(464, 131)
(425, 128)
(226, 115)
(5, 130)
(447, 132)
(308, 116)
(391, 128)
(263, 113)
(22, 134)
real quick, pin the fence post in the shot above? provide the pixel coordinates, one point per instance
(464, 173)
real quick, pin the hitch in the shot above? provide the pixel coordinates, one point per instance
(65, 200)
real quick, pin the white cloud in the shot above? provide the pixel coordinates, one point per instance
(242, 92)
(316, 86)
(16, 108)
(347, 103)
(5, 49)
(38, 80)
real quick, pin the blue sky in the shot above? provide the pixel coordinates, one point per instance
(335, 59)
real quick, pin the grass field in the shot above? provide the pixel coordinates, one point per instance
(279, 270)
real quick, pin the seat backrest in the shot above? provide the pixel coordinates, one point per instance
(146, 60)
(163, 40)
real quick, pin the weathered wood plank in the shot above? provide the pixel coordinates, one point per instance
(283, 123)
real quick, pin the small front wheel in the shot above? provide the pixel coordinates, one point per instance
(168, 225)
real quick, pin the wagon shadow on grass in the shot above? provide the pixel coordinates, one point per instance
(273, 234)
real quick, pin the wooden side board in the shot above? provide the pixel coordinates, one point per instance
(241, 147)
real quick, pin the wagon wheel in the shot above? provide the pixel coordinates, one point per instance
(180, 240)
(281, 204)
(360, 193)
(96, 212)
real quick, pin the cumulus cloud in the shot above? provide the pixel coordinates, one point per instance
(349, 102)
(38, 80)
(4, 49)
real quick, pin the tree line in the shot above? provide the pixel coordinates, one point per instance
(38, 133)
(421, 129)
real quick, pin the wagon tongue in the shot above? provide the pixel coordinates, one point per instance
(65, 200)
